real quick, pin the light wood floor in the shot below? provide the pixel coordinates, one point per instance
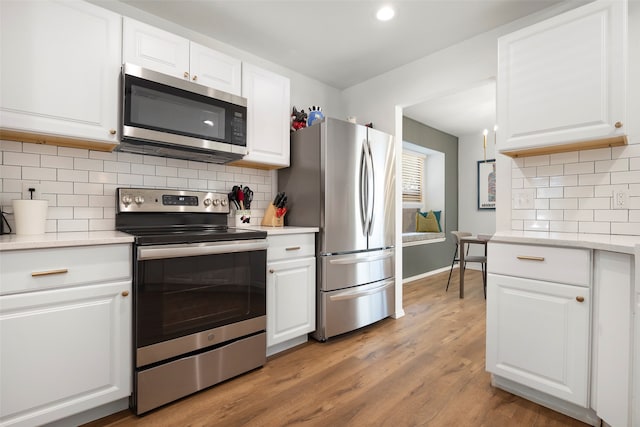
(424, 369)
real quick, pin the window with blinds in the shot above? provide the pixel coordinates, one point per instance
(412, 176)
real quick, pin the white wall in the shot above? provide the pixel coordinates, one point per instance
(469, 217)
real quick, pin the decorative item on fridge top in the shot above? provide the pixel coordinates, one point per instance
(298, 119)
(315, 113)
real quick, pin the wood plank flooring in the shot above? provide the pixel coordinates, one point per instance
(424, 369)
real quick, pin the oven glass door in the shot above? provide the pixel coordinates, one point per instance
(179, 296)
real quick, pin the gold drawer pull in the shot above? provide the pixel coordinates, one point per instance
(293, 248)
(580, 299)
(530, 258)
(125, 293)
(49, 273)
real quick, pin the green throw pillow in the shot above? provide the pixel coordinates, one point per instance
(427, 224)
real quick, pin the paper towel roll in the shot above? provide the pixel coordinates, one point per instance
(30, 216)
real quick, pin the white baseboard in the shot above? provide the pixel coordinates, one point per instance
(427, 274)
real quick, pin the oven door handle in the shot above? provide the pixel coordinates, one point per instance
(197, 249)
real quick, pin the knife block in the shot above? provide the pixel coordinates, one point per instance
(270, 219)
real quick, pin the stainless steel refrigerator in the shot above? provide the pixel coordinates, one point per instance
(342, 180)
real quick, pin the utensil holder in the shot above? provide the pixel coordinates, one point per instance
(270, 219)
(243, 217)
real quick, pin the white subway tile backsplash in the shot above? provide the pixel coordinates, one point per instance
(585, 191)
(597, 154)
(594, 179)
(612, 165)
(628, 228)
(536, 161)
(550, 170)
(81, 184)
(625, 177)
(579, 198)
(550, 193)
(563, 158)
(594, 227)
(563, 181)
(610, 215)
(578, 168)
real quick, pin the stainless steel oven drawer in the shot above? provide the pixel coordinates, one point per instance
(166, 383)
(352, 308)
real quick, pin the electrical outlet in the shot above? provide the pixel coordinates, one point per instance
(620, 199)
(26, 194)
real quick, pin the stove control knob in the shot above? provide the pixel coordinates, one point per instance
(139, 200)
(207, 202)
(126, 200)
(223, 202)
(216, 202)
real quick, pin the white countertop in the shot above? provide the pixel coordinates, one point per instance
(605, 242)
(271, 231)
(10, 242)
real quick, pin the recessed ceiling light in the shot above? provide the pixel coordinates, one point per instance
(385, 13)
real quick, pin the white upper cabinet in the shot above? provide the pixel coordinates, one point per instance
(60, 71)
(562, 82)
(165, 52)
(268, 112)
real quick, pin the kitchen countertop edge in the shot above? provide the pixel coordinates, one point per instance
(605, 242)
(10, 242)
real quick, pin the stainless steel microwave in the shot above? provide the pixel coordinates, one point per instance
(170, 117)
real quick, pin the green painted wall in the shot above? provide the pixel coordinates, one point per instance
(423, 258)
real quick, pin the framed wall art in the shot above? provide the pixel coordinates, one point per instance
(487, 184)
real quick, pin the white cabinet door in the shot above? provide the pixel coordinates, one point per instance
(155, 49)
(290, 299)
(268, 115)
(215, 69)
(60, 69)
(168, 53)
(612, 336)
(563, 80)
(63, 351)
(636, 363)
(538, 335)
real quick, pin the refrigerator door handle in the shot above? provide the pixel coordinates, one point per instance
(371, 189)
(351, 294)
(357, 259)
(363, 190)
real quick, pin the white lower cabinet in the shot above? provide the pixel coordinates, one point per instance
(538, 335)
(64, 349)
(612, 335)
(636, 363)
(291, 290)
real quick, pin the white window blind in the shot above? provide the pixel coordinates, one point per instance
(412, 176)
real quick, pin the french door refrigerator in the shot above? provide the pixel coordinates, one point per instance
(342, 180)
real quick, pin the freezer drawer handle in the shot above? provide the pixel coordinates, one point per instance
(357, 294)
(49, 273)
(355, 260)
(530, 258)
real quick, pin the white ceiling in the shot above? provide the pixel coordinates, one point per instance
(341, 43)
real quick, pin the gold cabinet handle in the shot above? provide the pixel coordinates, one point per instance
(186, 74)
(271, 270)
(293, 248)
(49, 273)
(618, 125)
(195, 78)
(112, 131)
(125, 293)
(530, 258)
(580, 299)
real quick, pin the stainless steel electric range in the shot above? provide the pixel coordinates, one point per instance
(199, 291)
